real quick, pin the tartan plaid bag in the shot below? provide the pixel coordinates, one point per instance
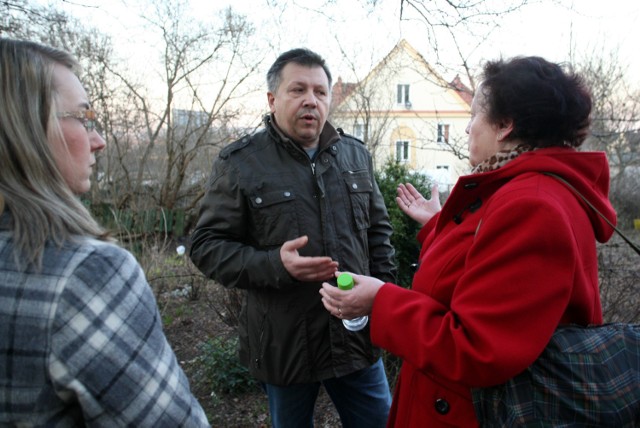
(586, 377)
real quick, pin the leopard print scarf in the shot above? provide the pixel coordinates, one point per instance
(501, 158)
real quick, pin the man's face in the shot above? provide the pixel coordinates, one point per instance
(301, 103)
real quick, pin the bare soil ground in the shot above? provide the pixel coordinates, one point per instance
(188, 322)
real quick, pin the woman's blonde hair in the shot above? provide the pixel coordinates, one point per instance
(42, 207)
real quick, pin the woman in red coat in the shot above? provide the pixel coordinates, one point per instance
(509, 257)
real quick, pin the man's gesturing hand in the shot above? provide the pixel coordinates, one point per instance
(306, 268)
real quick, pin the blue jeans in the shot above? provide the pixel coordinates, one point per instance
(362, 399)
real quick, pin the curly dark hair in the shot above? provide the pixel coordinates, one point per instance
(549, 106)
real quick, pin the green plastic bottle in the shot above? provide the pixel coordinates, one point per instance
(345, 282)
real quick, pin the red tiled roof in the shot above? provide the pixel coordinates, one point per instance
(465, 93)
(341, 90)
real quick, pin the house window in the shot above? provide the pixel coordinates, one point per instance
(402, 151)
(443, 133)
(403, 96)
(358, 131)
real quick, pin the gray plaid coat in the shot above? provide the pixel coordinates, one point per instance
(81, 344)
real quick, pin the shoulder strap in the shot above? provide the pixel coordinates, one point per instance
(566, 183)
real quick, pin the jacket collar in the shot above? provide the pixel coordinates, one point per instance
(328, 136)
(586, 171)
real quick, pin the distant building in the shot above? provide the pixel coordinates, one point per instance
(189, 119)
(403, 109)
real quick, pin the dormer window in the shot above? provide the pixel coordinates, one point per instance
(403, 96)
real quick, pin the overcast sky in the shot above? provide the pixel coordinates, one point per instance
(552, 31)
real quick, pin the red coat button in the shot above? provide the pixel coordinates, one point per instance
(442, 406)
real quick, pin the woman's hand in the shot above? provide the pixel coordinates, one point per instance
(413, 204)
(349, 304)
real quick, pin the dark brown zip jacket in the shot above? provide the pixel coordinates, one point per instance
(265, 190)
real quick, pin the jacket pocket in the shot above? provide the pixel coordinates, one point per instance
(274, 216)
(359, 188)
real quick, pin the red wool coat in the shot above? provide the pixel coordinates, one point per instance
(510, 256)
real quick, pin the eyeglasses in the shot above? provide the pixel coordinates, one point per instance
(86, 117)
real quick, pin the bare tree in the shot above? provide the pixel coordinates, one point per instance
(160, 146)
(162, 126)
(615, 127)
(459, 25)
(18, 17)
(48, 25)
(619, 281)
(615, 130)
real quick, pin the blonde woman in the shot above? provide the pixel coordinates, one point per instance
(81, 342)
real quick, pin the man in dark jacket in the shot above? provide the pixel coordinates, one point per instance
(285, 209)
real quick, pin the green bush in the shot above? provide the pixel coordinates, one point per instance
(405, 228)
(403, 239)
(222, 369)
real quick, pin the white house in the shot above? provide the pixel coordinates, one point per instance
(403, 109)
